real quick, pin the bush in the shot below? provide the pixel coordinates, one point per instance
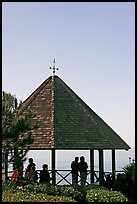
(20, 196)
(103, 195)
(9, 185)
(125, 182)
(14, 191)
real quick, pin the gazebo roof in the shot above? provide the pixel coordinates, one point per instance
(66, 121)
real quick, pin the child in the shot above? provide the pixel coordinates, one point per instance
(44, 175)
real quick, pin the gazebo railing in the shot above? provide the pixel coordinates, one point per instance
(65, 176)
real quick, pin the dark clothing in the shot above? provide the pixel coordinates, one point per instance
(20, 170)
(109, 182)
(30, 165)
(75, 169)
(44, 176)
(83, 171)
(29, 168)
(32, 176)
(83, 166)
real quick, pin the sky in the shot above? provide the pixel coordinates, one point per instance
(93, 44)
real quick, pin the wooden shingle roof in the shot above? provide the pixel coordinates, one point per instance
(66, 121)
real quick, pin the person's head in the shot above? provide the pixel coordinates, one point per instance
(76, 158)
(30, 160)
(82, 158)
(45, 167)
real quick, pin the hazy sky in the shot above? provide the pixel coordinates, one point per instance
(94, 47)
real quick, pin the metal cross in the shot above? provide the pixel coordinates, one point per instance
(54, 68)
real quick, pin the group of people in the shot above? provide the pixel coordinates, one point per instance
(31, 173)
(79, 167)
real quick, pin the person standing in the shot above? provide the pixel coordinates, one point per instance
(74, 171)
(31, 163)
(44, 175)
(83, 170)
(32, 176)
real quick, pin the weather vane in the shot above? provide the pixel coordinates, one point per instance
(54, 68)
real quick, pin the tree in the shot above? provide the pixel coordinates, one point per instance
(16, 131)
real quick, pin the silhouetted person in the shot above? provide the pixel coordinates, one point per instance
(74, 171)
(109, 181)
(83, 170)
(32, 174)
(31, 163)
(44, 175)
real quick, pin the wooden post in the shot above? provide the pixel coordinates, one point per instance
(101, 168)
(53, 167)
(113, 164)
(91, 166)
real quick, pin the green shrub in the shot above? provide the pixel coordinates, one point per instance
(9, 185)
(125, 182)
(20, 196)
(14, 191)
(42, 188)
(103, 195)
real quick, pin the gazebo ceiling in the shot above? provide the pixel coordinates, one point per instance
(66, 121)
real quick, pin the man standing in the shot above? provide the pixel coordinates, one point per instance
(83, 170)
(75, 169)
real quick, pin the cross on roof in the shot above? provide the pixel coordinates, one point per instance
(54, 68)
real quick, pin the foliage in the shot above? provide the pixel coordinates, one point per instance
(20, 196)
(9, 104)
(15, 192)
(103, 195)
(129, 171)
(16, 130)
(58, 193)
(125, 182)
(8, 185)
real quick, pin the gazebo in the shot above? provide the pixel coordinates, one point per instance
(68, 123)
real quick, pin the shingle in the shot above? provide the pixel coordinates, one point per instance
(66, 121)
